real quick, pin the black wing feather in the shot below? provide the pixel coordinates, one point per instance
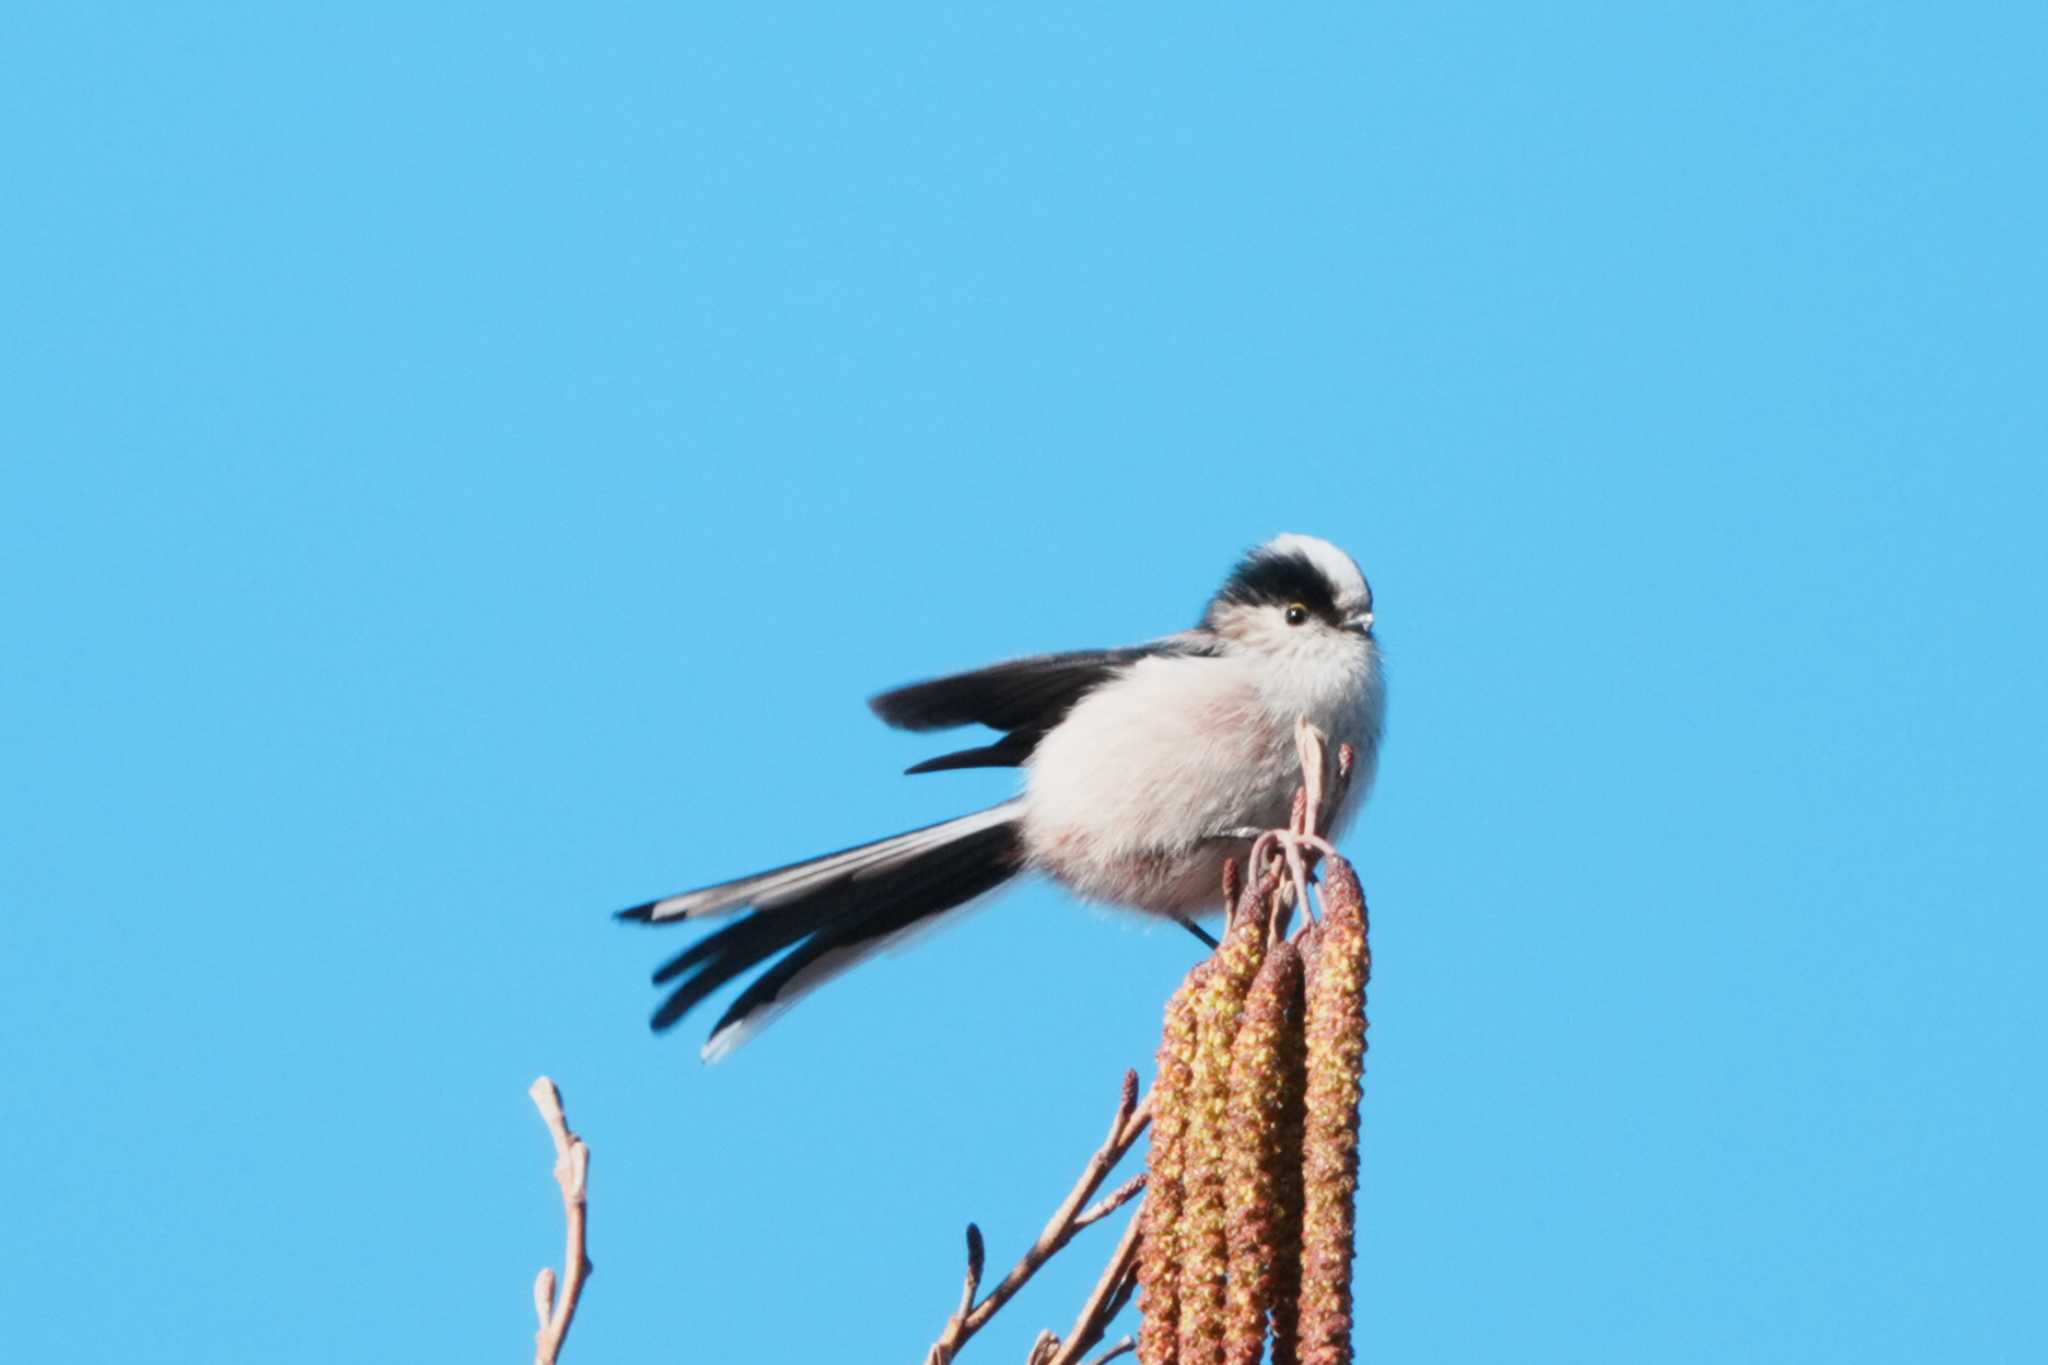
(1024, 698)
(1018, 694)
(1008, 752)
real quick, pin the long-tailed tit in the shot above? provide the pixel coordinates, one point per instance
(1144, 769)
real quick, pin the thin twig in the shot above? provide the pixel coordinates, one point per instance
(1107, 1299)
(572, 1173)
(1123, 1131)
(1111, 1202)
(1073, 1214)
(1310, 744)
(1128, 1344)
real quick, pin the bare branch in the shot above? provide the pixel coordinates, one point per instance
(572, 1173)
(1106, 1300)
(1073, 1214)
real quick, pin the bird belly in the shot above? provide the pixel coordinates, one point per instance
(1130, 798)
(1179, 882)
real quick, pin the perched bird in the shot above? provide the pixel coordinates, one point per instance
(1144, 769)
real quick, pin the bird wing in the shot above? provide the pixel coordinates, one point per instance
(1023, 698)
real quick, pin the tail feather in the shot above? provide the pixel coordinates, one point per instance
(795, 881)
(827, 954)
(823, 916)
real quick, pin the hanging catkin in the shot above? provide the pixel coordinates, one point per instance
(1159, 1237)
(1335, 1067)
(1261, 1085)
(1286, 1308)
(1204, 1238)
(1249, 1215)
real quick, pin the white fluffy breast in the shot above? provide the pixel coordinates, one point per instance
(1126, 797)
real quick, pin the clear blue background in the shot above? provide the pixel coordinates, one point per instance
(462, 474)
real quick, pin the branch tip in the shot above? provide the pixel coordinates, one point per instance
(1111, 1202)
(572, 1173)
(1124, 1347)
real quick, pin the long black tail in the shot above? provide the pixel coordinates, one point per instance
(818, 918)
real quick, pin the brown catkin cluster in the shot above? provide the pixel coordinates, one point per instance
(1205, 1233)
(1292, 1065)
(1262, 1082)
(1248, 1220)
(1336, 1066)
(1159, 1237)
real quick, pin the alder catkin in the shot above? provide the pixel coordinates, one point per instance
(1204, 1239)
(1260, 1087)
(1165, 1165)
(1335, 1071)
(1292, 1065)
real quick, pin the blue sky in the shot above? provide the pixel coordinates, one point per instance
(460, 473)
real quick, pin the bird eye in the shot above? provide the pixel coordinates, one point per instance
(1296, 614)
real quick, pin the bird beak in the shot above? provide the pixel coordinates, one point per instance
(1361, 624)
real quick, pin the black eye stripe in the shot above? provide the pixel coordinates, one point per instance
(1282, 580)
